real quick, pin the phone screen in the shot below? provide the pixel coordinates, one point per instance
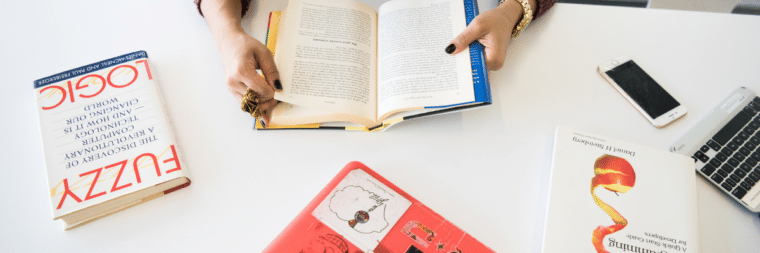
(643, 89)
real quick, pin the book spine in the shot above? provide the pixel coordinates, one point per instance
(477, 58)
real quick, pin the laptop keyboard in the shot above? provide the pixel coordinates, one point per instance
(735, 165)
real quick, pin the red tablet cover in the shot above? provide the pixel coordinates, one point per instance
(360, 211)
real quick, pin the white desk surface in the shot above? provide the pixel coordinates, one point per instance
(486, 170)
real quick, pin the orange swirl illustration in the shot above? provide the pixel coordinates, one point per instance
(614, 174)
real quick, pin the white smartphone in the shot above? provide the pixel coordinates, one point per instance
(656, 104)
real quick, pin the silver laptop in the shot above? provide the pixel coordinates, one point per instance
(724, 146)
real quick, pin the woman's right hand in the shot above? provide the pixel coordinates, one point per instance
(242, 55)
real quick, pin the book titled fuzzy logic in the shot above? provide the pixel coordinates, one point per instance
(107, 138)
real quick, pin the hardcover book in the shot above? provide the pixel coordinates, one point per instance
(612, 196)
(107, 139)
(360, 211)
(344, 65)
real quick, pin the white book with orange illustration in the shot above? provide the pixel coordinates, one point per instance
(613, 196)
(107, 139)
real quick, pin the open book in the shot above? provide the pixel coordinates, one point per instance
(344, 65)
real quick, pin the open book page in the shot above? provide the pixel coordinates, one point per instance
(414, 71)
(326, 56)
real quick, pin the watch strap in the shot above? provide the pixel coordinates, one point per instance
(527, 16)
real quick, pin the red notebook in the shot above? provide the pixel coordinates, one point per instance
(360, 211)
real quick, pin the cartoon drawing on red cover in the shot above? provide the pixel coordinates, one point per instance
(422, 231)
(326, 242)
(429, 236)
(413, 249)
(363, 210)
(614, 174)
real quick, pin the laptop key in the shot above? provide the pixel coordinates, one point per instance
(749, 145)
(749, 110)
(749, 130)
(750, 178)
(745, 151)
(722, 157)
(739, 192)
(754, 140)
(738, 156)
(752, 127)
(755, 105)
(735, 178)
(734, 145)
(745, 185)
(740, 173)
(715, 162)
(755, 155)
(715, 146)
(749, 182)
(754, 176)
(704, 148)
(733, 162)
(708, 169)
(718, 178)
(723, 173)
(746, 167)
(727, 151)
(726, 186)
(744, 136)
(730, 182)
(750, 161)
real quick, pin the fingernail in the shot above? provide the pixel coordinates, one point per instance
(262, 123)
(277, 84)
(450, 49)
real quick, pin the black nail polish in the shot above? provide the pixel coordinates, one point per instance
(450, 49)
(262, 123)
(277, 84)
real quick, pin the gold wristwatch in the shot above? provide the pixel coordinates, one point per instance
(527, 16)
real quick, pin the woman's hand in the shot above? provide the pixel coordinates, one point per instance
(242, 55)
(493, 29)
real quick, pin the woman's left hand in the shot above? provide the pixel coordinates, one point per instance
(493, 29)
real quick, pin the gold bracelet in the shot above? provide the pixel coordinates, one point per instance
(527, 16)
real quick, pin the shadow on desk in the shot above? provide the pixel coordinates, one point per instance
(443, 123)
